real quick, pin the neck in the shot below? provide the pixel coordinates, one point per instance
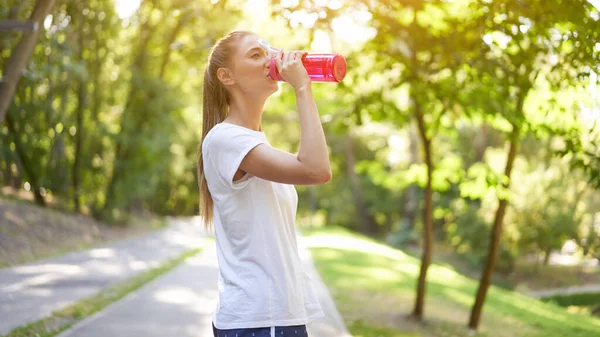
(246, 110)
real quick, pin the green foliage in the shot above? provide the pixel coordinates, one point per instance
(468, 232)
(360, 329)
(106, 115)
(547, 217)
(584, 154)
(584, 299)
(476, 70)
(402, 236)
(371, 282)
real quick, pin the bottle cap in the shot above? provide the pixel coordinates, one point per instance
(339, 68)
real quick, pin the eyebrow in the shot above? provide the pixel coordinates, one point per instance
(255, 48)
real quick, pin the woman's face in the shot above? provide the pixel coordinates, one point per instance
(250, 67)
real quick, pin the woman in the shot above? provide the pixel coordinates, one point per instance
(247, 187)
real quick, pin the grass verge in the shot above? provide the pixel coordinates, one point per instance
(61, 320)
(30, 233)
(373, 286)
(66, 247)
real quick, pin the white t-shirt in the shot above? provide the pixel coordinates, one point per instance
(261, 281)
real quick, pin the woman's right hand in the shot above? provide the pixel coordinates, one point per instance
(310, 166)
(291, 68)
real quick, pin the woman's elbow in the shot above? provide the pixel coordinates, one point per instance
(327, 176)
(323, 177)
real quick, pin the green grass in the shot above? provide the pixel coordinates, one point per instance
(61, 320)
(373, 286)
(585, 299)
(360, 329)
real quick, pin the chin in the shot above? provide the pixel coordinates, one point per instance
(274, 87)
(266, 92)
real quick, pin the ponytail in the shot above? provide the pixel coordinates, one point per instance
(215, 108)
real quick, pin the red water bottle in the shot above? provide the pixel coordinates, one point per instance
(320, 67)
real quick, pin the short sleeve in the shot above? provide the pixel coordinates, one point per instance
(225, 147)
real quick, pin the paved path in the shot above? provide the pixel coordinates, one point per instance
(179, 303)
(32, 291)
(588, 288)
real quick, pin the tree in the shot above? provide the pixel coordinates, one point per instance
(67, 114)
(412, 57)
(20, 56)
(524, 44)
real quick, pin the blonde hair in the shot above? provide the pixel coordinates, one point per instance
(215, 108)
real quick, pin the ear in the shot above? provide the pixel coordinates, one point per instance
(225, 76)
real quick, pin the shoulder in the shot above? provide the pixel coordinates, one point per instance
(217, 136)
(212, 134)
(224, 136)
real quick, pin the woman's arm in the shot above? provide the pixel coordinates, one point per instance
(311, 165)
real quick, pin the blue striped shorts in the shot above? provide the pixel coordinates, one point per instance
(277, 331)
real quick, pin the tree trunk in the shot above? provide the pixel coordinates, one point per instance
(368, 224)
(95, 135)
(590, 241)
(427, 216)
(58, 149)
(496, 234)
(7, 176)
(78, 141)
(25, 163)
(411, 197)
(20, 56)
(121, 150)
(11, 179)
(174, 34)
(137, 203)
(547, 254)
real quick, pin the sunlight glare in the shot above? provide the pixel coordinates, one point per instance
(126, 8)
(399, 146)
(177, 295)
(48, 22)
(498, 38)
(592, 113)
(359, 245)
(354, 29)
(289, 3)
(102, 253)
(321, 42)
